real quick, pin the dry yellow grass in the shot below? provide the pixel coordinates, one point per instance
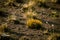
(47, 0)
(29, 4)
(11, 17)
(30, 14)
(2, 27)
(32, 22)
(54, 36)
(8, 1)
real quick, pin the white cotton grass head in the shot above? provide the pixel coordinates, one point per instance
(52, 25)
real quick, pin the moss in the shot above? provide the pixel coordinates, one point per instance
(7, 37)
(3, 9)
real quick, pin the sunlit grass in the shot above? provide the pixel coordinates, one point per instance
(55, 36)
(47, 1)
(30, 14)
(8, 1)
(11, 17)
(54, 15)
(29, 4)
(34, 23)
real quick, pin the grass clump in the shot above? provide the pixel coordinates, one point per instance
(47, 1)
(7, 2)
(29, 4)
(34, 23)
(3, 27)
(11, 17)
(54, 37)
(24, 38)
(54, 15)
(31, 14)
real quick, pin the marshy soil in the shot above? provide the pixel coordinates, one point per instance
(48, 13)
